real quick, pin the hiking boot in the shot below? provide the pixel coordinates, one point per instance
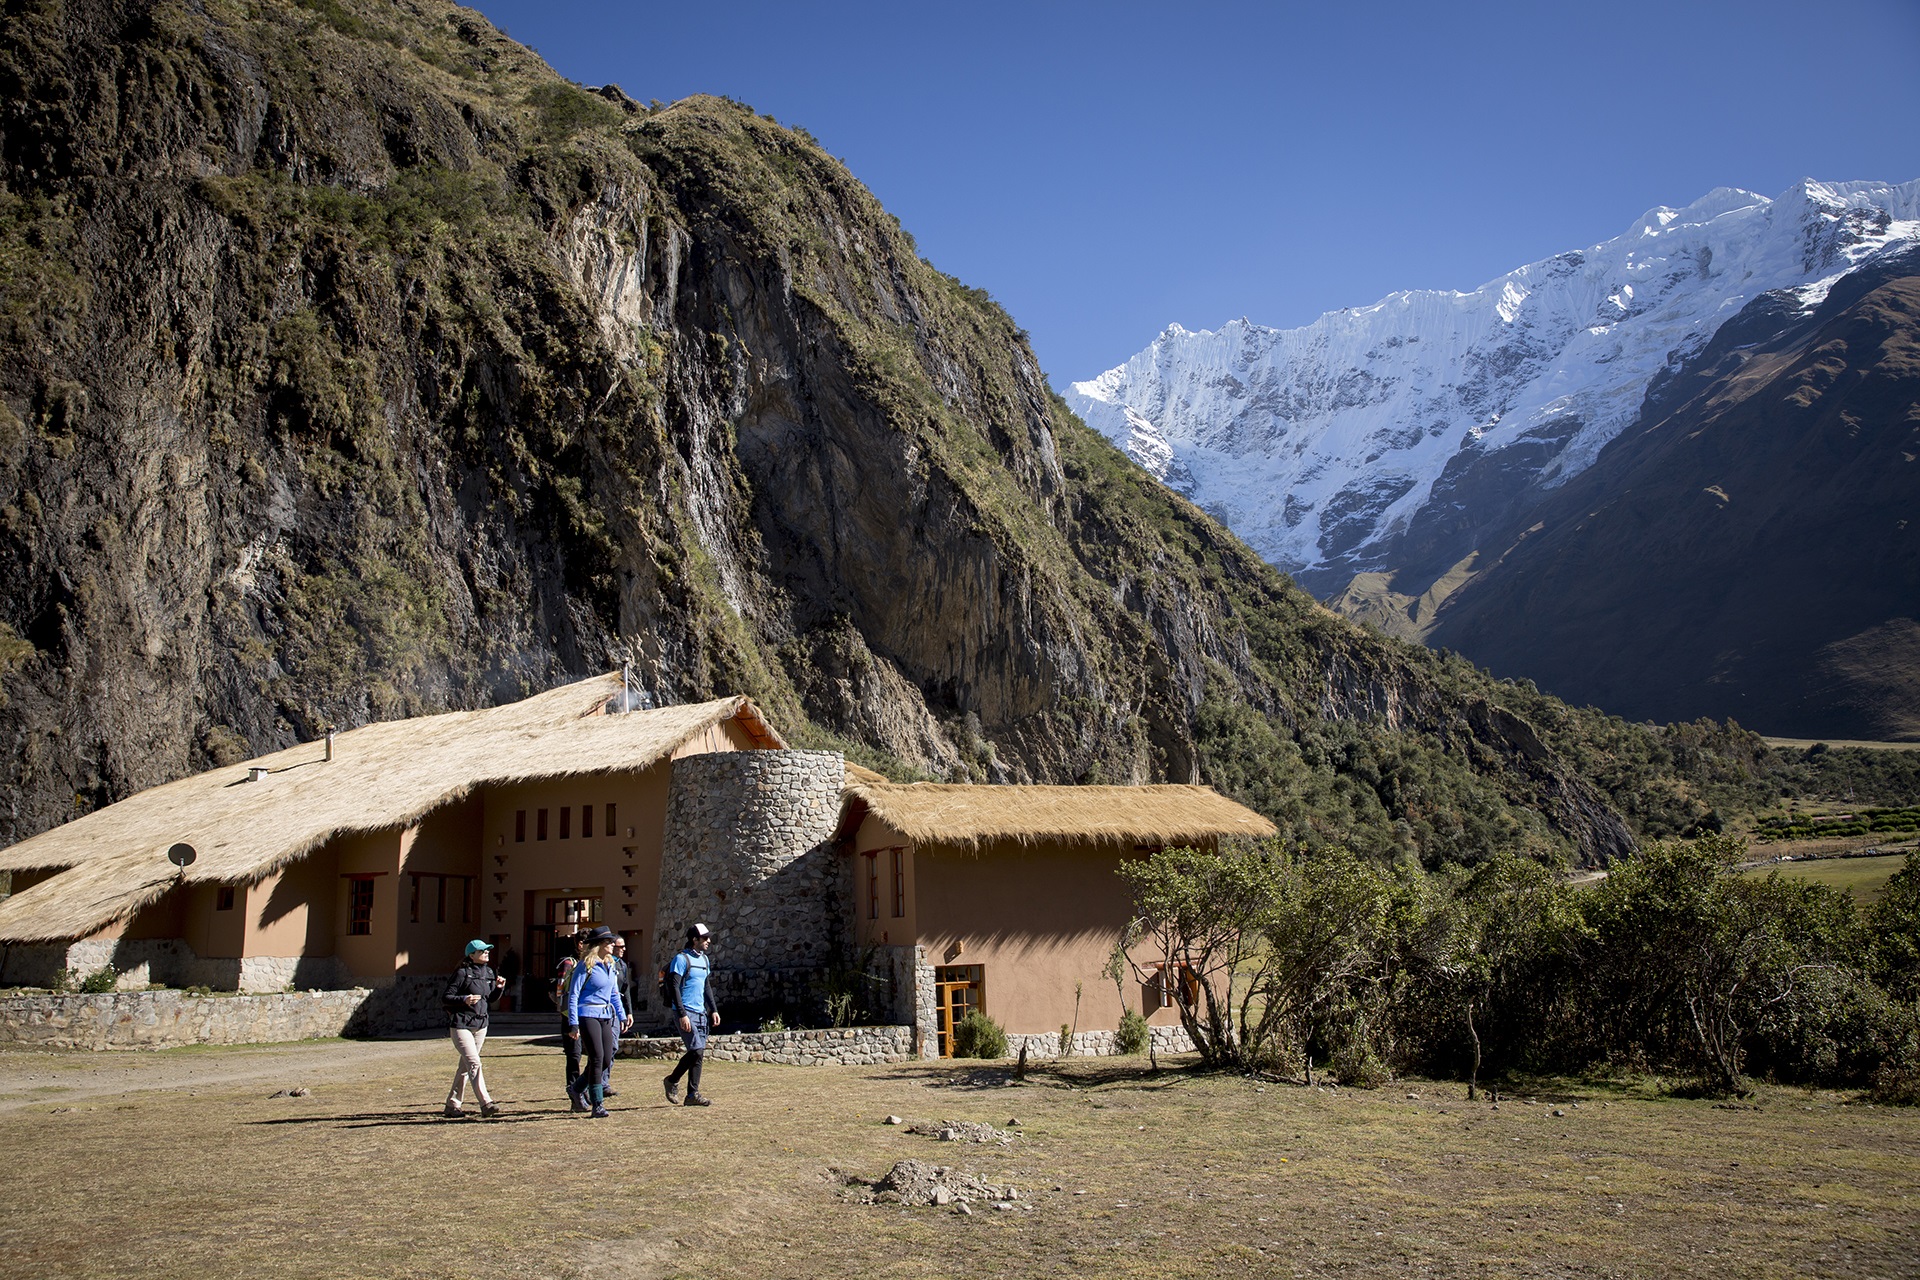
(699, 1100)
(609, 1093)
(488, 1110)
(673, 1091)
(451, 1112)
(580, 1102)
(599, 1113)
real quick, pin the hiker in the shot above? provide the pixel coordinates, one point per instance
(593, 1012)
(472, 989)
(561, 973)
(629, 999)
(690, 993)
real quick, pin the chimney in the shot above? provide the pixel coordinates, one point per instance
(329, 744)
(256, 773)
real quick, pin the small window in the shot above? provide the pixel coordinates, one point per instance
(610, 826)
(520, 826)
(360, 905)
(223, 898)
(439, 899)
(899, 883)
(586, 822)
(873, 885)
(540, 825)
(566, 822)
(413, 900)
(466, 899)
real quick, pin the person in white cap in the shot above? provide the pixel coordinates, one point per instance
(473, 988)
(690, 992)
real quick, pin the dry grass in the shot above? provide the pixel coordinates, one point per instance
(178, 1164)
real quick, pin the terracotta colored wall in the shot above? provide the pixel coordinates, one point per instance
(445, 843)
(623, 867)
(369, 957)
(877, 838)
(1039, 918)
(293, 912)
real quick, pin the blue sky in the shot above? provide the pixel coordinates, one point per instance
(1106, 169)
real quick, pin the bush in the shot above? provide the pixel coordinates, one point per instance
(1132, 1036)
(978, 1036)
(100, 980)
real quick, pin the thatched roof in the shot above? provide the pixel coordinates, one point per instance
(113, 862)
(972, 816)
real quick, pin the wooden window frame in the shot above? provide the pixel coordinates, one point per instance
(540, 824)
(610, 828)
(566, 822)
(873, 884)
(899, 860)
(519, 826)
(359, 921)
(586, 822)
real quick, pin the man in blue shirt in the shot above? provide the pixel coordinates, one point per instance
(694, 1012)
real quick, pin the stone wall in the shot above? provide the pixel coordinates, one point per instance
(166, 1019)
(746, 854)
(1095, 1044)
(838, 1046)
(141, 962)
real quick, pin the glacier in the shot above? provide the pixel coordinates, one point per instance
(1386, 434)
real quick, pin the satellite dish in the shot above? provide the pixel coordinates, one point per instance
(181, 855)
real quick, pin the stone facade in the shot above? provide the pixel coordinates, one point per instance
(746, 854)
(837, 1046)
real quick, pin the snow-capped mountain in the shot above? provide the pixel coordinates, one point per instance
(1386, 436)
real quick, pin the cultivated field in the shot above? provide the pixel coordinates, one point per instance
(1866, 878)
(180, 1164)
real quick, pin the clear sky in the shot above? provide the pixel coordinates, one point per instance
(1106, 169)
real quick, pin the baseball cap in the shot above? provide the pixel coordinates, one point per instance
(698, 931)
(478, 945)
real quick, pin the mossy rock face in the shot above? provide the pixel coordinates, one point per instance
(359, 366)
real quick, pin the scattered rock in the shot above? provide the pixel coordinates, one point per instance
(1013, 1124)
(964, 1207)
(1413, 1097)
(915, 1182)
(1557, 1111)
(895, 1120)
(1003, 1206)
(962, 1131)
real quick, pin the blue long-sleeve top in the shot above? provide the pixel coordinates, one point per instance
(593, 992)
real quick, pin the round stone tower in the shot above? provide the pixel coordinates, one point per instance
(745, 852)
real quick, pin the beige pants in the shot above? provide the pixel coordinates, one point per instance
(467, 1045)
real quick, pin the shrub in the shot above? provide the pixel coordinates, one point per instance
(1132, 1036)
(773, 1024)
(978, 1036)
(100, 980)
(1066, 1039)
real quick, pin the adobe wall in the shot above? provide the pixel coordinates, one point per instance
(746, 853)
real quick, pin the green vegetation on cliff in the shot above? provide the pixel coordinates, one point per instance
(360, 366)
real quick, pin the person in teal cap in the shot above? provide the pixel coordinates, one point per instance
(469, 997)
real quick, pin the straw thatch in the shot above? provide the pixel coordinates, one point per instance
(969, 817)
(113, 862)
(861, 774)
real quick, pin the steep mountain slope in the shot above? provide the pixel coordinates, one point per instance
(1396, 437)
(1750, 547)
(355, 365)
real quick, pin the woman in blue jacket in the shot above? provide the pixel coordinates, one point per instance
(594, 1010)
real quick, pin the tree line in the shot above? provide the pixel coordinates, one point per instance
(1287, 959)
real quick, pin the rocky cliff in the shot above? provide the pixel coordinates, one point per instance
(356, 366)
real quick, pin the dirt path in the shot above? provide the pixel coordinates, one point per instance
(30, 1078)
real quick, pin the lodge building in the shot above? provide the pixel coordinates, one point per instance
(369, 860)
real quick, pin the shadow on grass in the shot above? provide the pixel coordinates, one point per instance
(1077, 1074)
(409, 1119)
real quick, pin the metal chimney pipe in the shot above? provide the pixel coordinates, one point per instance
(329, 744)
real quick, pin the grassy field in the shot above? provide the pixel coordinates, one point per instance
(179, 1164)
(1865, 877)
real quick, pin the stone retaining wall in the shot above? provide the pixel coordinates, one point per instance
(838, 1046)
(167, 1019)
(1096, 1044)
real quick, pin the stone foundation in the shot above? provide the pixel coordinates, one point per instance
(837, 1046)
